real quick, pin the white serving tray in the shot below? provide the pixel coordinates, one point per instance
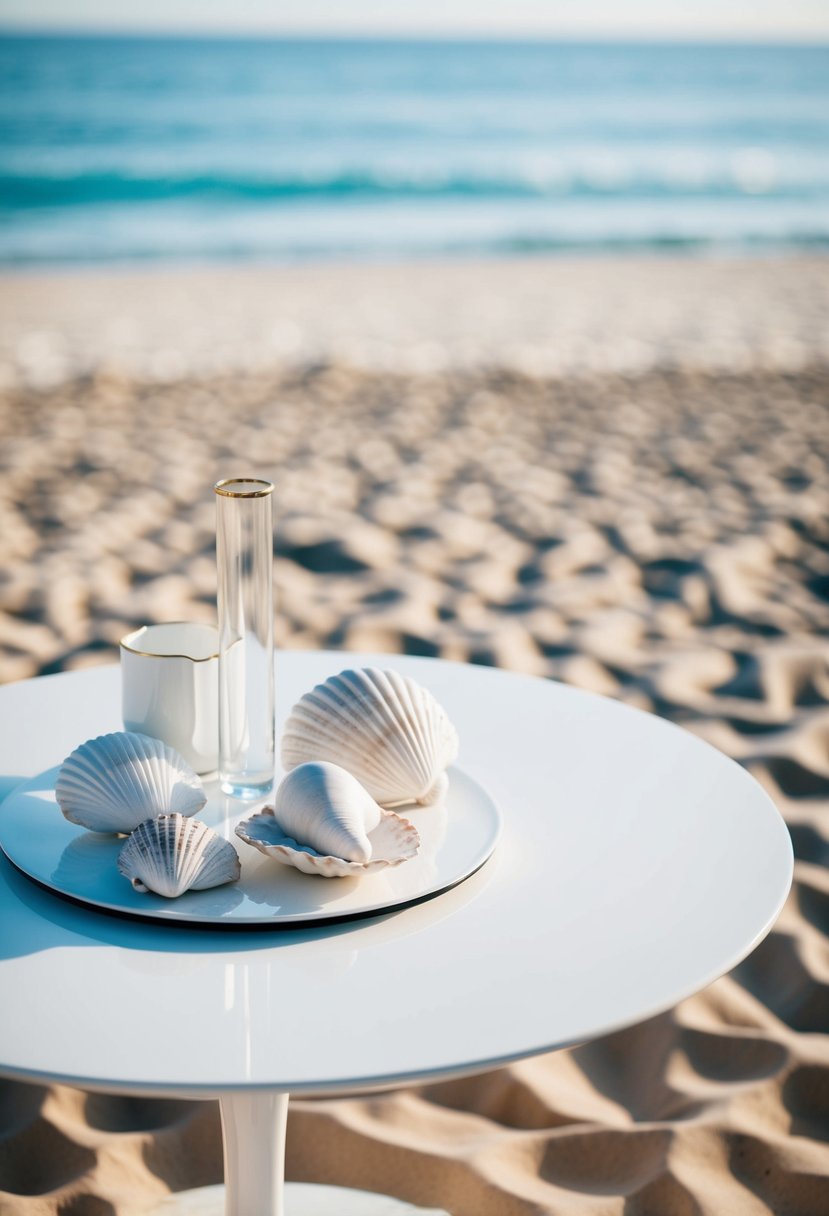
(456, 839)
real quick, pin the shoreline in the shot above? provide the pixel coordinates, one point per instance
(545, 317)
(678, 252)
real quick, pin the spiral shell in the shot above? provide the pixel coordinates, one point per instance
(324, 822)
(386, 730)
(323, 806)
(171, 854)
(114, 782)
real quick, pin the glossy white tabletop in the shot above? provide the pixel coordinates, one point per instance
(637, 864)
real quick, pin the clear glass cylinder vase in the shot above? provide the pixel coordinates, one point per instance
(244, 555)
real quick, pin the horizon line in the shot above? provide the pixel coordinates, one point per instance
(794, 38)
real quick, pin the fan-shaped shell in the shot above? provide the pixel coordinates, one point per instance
(323, 806)
(384, 728)
(393, 841)
(115, 782)
(171, 854)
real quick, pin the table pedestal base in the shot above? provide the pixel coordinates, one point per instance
(253, 1128)
(253, 1131)
(301, 1199)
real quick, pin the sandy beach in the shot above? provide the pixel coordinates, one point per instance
(607, 472)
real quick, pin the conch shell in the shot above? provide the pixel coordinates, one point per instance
(323, 806)
(324, 822)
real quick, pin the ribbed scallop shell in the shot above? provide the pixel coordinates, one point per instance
(115, 782)
(305, 801)
(385, 729)
(171, 854)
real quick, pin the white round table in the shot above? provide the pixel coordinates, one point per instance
(637, 864)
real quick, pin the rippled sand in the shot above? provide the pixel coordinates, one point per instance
(655, 528)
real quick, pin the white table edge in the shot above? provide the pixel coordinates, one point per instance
(470, 1068)
(389, 1081)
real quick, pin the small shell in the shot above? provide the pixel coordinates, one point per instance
(170, 855)
(385, 729)
(393, 841)
(323, 806)
(115, 782)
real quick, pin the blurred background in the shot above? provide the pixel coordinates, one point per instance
(525, 310)
(143, 147)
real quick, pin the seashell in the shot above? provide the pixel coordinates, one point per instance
(386, 730)
(171, 854)
(115, 782)
(390, 841)
(323, 806)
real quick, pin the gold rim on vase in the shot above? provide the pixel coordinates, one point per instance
(266, 487)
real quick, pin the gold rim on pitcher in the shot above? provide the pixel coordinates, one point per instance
(152, 654)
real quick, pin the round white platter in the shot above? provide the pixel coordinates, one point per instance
(457, 837)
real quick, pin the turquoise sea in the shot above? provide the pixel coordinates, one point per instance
(124, 149)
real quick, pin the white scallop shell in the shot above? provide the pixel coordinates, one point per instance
(171, 854)
(115, 782)
(393, 841)
(323, 806)
(385, 729)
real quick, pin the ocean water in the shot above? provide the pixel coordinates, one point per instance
(124, 149)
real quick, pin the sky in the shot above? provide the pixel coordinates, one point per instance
(747, 19)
